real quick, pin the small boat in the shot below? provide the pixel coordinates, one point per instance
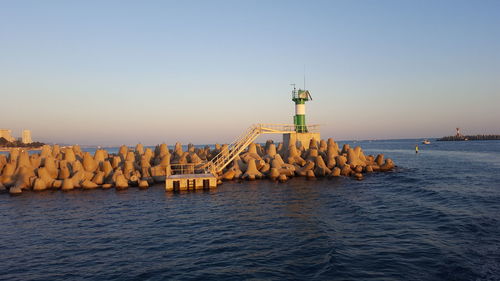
(426, 141)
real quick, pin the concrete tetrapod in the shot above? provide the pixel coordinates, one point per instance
(139, 149)
(107, 169)
(39, 185)
(13, 155)
(15, 190)
(130, 156)
(69, 154)
(252, 173)
(271, 149)
(89, 164)
(379, 160)
(312, 154)
(98, 178)
(353, 160)
(322, 146)
(120, 181)
(331, 153)
(23, 160)
(122, 151)
(283, 168)
(45, 176)
(56, 150)
(359, 153)
(7, 177)
(86, 184)
(51, 167)
(64, 171)
(35, 161)
(294, 156)
(310, 174)
(387, 166)
(99, 156)
(303, 171)
(358, 176)
(116, 162)
(346, 171)
(76, 166)
(67, 185)
(345, 148)
(336, 172)
(77, 178)
(229, 175)
(274, 174)
(320, 168)
(235, 168)
(368, 169)
(282, 178)
(3, 161)
(251, 154)
(78, 152)
(46, 151)
(143, 184)
(25, 177)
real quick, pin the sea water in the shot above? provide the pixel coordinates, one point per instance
(437, 217)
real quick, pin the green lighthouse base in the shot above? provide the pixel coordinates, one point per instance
(304, 138)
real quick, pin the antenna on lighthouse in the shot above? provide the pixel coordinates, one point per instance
(304, 76)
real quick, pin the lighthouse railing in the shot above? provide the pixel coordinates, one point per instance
(288, 128)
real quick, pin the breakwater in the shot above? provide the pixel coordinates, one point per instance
(70, 168)
(471, 138)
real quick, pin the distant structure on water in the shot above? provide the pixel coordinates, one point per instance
(25, 140)
(26, 137)
(459, 137)
(7, 134)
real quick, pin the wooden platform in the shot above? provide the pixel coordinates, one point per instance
(190, 182)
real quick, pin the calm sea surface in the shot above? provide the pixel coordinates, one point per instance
(436, 218)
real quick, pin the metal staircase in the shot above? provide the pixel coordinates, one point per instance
(226, 156)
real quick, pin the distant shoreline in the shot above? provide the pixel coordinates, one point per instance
(20, 147)
(470, 138)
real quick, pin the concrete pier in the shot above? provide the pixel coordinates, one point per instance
(304, 138)
(190, 182)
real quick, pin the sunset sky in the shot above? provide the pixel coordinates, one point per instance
(123, 72)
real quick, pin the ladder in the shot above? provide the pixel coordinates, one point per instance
(226, 156)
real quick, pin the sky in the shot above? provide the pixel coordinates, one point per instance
(124, 72)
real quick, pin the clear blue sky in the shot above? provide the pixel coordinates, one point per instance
(122, 72)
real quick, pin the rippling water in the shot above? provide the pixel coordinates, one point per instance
(436, 218)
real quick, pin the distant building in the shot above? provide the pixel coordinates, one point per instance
(26, 137)
(6, 134)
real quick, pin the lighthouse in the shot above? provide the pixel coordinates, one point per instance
(299, 119)
(303, 133)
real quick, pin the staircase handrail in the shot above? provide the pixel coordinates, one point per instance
(223, 158)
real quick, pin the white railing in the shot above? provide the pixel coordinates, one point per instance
(189, 168)
(287, 128)
(225, 157)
